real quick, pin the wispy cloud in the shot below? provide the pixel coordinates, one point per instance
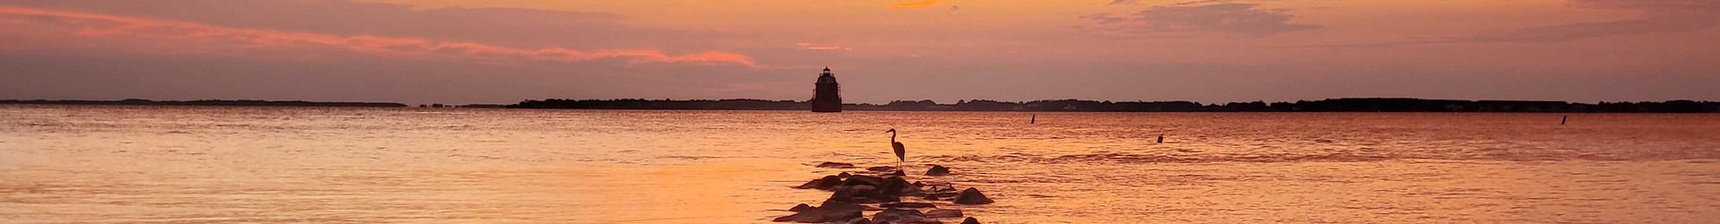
(1123, 2)
(914, 5)
(95, 25)
(810, 46)
(1195, 18)
(1658, 17)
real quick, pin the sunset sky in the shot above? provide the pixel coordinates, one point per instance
(503, 51)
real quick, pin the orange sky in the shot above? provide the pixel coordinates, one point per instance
(500, 51)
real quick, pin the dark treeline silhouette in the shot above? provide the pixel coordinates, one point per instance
(206, 103)
(665, 104)
(1327, 105)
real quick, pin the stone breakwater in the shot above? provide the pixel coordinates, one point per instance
(887, 194)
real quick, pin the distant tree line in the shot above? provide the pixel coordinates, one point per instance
(1327, 105)
(666, 104)
(205, 103)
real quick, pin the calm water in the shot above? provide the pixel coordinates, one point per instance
(61, 164)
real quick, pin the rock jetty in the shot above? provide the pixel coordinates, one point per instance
(888, 195)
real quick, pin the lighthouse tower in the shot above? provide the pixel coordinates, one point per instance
(826, 97)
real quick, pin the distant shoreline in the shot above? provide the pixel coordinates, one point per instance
(1071, 105)
(264, 103)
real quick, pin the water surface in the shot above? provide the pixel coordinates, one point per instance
(126, 164)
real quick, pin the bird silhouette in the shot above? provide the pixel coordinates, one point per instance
(901, 151)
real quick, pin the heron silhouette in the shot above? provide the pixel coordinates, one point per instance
(901, 152)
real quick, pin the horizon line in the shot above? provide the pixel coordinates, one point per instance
(849, 103)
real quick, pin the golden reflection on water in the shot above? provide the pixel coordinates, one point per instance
(323, 165)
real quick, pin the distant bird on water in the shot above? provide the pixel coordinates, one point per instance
(901, 152)
(1161, 138)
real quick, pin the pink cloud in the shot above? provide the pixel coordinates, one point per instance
(810, 46)
(93, 25)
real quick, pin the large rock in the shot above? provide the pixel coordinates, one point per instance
(901, 216)
(863, 180)
(908, 205)
(800, 208)
(970, 220)
(971, 196)
(822, 183)
(820, 216)
(944, 213)
(835, 165)
(829, 211)
(844, 193)
(875, 196)
(894, 186)
(864, 194)
(937, 170)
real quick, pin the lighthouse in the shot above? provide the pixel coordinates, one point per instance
(826, 95)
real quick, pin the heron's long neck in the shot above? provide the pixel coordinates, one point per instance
(892, 136)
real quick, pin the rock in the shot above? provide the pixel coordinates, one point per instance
(863, 180)
(877, 196)
(820, 216)
(821, 183)
(901, 216)
(865, 200)
(944, 213)
(837, 205)
(881, 190)
(908, 205)
(937, 170)
(949, 194)
(941, 191)
(864, 194)
(893, 186)
(971, 196)
(843, 193)
(863, 189)
(970, 220)
(911, 190)
(829, 211)
(835, 165)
